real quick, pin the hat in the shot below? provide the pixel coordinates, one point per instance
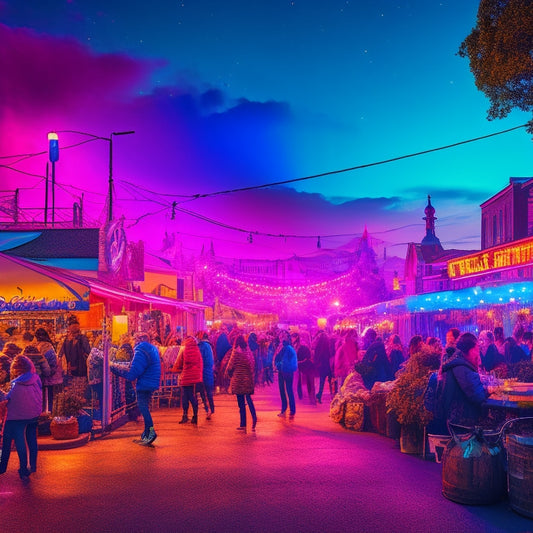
(42, 335)
(142, 336)
(27, 336)
(31, 350)
(11, 349)
(20, 365)
(72, 319)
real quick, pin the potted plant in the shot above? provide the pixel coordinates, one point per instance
(406, 398)
(522, 371)
(64, 425)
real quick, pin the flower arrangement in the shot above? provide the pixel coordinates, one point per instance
(523, 371)
(406, 397)
(67, 404)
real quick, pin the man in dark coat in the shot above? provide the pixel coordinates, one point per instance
(76, 349)
(321, 361)
(378, 363)
(146, 369)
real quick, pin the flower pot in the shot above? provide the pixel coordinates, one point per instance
(64, 428)
(411, 439)
(378, 413)
(354, 416)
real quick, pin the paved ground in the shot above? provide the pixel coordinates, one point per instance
(302, 475)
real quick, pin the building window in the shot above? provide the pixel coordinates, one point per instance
(500, 233)
(494, 230)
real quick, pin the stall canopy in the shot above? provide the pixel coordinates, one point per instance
(26, 286)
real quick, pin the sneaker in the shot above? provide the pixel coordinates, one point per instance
(184, 420)
(194, 420)
(241, 428)
(152, 435)
(144, 436)
(282, 413)
(24, 475)
(208, 417)
(254, 423)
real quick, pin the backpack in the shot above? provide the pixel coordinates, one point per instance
(432, 394)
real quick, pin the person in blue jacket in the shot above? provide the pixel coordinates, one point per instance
(461, 394)
(286, 363)
(146, 369)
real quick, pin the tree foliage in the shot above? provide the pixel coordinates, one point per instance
(500, 50)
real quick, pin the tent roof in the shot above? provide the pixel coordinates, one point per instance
(27, 286)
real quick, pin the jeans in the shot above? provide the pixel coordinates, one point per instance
(321, 383)
(188, 395)
(98, 390)
(242, 400)
(206, 393)
(308, 378)
(285, 389)
(143, 403)
(22, 432)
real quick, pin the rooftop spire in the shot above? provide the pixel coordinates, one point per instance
(431, 238)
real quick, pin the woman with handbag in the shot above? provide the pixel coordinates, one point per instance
(240, 371)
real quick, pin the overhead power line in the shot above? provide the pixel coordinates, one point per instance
(174, 207)
(358, 167)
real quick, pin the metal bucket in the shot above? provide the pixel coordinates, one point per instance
(476, 478)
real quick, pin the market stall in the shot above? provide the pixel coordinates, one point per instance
(34, 296)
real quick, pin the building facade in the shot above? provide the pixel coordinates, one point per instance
(426, 262)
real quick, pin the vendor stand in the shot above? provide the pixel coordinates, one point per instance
(514, 399)
(33, 296)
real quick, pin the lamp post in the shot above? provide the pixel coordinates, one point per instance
(53, 156)
(110, 205)
(110, 141)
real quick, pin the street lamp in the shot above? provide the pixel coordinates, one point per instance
(110, 205)
(53, 156)
(110, 141)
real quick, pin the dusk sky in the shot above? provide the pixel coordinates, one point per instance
(230, 94)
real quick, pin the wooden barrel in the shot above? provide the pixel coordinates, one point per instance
(520, 473)
(378, 412)
(411, 439)
(474, 480)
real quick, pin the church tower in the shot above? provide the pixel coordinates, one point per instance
(430, 242)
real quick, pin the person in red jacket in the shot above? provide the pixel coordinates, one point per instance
(189, 365)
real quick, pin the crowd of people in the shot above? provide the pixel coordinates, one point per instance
(33, 368)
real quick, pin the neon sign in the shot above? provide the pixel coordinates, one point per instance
(41, 304)
(520, 253)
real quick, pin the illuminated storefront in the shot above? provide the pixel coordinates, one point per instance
(501, 263)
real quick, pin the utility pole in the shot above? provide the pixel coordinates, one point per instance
(110, 205)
